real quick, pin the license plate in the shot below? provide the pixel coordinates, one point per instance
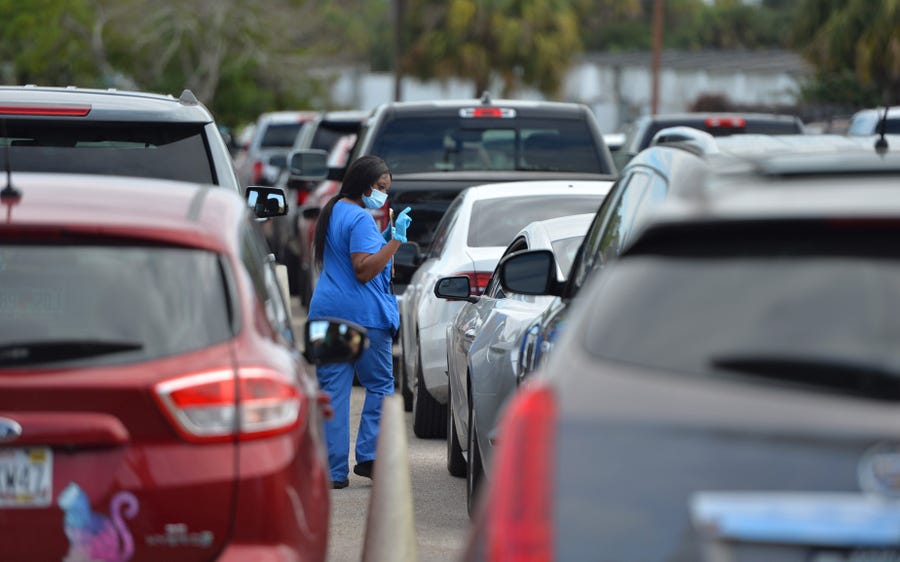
(26, 477)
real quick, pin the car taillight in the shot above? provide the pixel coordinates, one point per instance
(478, 281)
(257, 172)
(302, 194)
(519, 510)
(46, 110)
(208, 406)
(734, 122)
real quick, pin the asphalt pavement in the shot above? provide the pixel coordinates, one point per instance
(439, 500)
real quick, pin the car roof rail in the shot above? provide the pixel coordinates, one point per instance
(695, 140)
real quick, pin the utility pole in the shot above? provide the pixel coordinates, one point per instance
(399, 8)
(657, 50)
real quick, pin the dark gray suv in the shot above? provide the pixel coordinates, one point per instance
(111, 132)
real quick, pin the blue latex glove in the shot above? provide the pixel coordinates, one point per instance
(401, 224)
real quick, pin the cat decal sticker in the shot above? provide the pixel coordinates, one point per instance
(94, 537)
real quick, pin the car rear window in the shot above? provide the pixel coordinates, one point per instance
(280, 135)
(174, 151)
(429, 144)
(801, 309)
(97, 305)
(494, 222)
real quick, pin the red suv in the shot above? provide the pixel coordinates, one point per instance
(153, 402)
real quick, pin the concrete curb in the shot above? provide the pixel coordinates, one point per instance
(390, 529)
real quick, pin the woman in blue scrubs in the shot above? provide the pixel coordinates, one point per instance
(355, 285)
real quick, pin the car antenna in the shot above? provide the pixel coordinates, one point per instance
(486, 98)
(881, 145)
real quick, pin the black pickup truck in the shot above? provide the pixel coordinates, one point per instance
(435, 149)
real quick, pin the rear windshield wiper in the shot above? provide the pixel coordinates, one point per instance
(847, 376)
(27, 353)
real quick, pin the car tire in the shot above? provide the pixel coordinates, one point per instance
(429, 415)
(456, 462)
(474, 468)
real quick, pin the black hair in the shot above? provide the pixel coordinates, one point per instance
(360, 176)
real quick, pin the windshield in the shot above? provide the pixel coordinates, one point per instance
(784, 317)
(149, 150)
(108, 304)
(413, 145)
(281, 135)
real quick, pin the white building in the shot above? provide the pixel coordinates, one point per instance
(617, 86)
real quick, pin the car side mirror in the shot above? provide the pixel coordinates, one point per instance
(278, 161)
(531, 272)
(456, 288)
(331, 340)
(267, 202)
(308, 164)
(407, 255)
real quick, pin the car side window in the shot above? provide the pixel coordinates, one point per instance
(255, 257)
(621, 218)
(444, 227)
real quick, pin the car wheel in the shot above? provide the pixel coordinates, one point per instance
(456, 462)
(474, 468)
(429, 415)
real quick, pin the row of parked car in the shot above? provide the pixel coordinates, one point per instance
(154, 400)
(715, 379)
(682, 404)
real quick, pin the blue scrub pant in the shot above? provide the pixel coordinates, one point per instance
(374, 369)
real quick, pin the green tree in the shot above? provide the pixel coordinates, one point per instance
(521, 42)
(851, 41)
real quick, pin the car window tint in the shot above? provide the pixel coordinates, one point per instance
(151, 150)
(428, 144)
(164, 300)
(280, 135)
(444, 226)
(255, 257)
(494, 222)
(621, 219)
(715, 316)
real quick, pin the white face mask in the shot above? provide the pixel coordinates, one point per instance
(376, 200)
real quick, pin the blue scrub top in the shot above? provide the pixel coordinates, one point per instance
(338, 292)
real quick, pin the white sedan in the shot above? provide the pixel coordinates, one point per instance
(472, 235)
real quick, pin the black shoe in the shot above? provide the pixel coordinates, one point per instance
(364, 468)
(339, 484)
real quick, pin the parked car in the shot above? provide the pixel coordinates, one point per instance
(640, 132)
(153, 401)
(111, 132)
(725, 390)
(484, 346)
(272, 136)
(672, 167)
(306, 272)
(331, 132)
(469, 241)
